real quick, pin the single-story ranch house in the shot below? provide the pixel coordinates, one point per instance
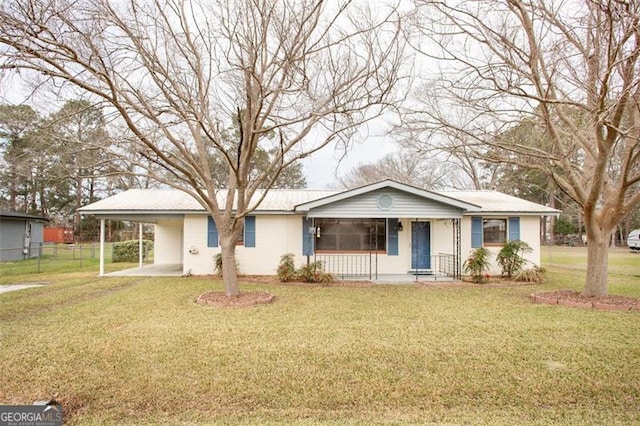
(385, 228)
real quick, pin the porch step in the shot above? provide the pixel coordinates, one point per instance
(420, 272)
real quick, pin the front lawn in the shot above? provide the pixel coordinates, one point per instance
(133, 350)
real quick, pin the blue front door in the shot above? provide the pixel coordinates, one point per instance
(420, 245)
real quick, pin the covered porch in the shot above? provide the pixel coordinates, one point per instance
(429, 251)
(386, 229)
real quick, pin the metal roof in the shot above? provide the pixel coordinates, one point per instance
(499, 202)
(176, 201)
(173, 201)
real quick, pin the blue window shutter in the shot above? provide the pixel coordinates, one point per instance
(392, 237)
(307, 238)
(476, 232)
(514, 228)
(250, 231)
(212, 233)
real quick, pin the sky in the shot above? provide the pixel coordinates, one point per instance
(322, 170)
(324, 167)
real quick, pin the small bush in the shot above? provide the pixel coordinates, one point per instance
(314, 273)
(510, 258)
(286, 269)
(217, 264)
(127, 251)
(311, 273)
(477, 264)
(529, 275)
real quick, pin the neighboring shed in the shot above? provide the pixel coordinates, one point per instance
(21, 235)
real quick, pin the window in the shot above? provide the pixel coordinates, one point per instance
(350, 234)
(494, 231)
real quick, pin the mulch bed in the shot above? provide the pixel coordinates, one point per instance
(576, 300)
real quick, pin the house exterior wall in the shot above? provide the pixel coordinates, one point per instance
(529, 233)
(402, 205)
(167, 245)
(280, 234)
(275, 235)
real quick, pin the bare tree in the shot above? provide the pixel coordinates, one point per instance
(571, 67)
(403, 166)
(17, 125)
(177, 72)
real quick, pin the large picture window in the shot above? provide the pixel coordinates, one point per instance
(350, 234)
(494, 231)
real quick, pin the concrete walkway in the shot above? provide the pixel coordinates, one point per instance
(169, 270)
(398, 278)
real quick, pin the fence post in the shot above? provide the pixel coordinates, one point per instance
(81, 255)
(39, 256)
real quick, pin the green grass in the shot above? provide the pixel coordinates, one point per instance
(132, 350)
(567, 267)
(58, 258)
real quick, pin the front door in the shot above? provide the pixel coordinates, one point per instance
(420, 245)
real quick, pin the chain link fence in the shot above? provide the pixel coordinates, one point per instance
(51, 257)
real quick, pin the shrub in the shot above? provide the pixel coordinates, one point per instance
(217, 264)
(477, 264)
(286, 269)
(529, 275)
(314, 273)
(127, 251)
(510, 258)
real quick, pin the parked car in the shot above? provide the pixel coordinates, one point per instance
(633, 240)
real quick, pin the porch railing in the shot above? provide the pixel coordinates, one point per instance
(366, 265)
(444, 264)
(350, 265)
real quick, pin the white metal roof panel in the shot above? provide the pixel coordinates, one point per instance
(498, 202)
(173, 200)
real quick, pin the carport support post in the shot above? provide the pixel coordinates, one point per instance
(101, 247)
(140, 257)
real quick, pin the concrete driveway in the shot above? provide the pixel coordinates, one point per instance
(14, 287)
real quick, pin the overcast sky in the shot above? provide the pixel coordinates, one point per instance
(322, 169)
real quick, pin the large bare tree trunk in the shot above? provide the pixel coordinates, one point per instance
(229, 271)
(597, 261)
